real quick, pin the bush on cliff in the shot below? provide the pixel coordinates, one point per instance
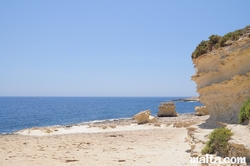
(244, 112)
(200, 49)
(216, 41)
(218, 142)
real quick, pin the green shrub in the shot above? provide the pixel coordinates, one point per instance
(218, 142)
(227, 36)
(222, 41)
(235, 37)
(207, 150)
(244, 112)
(246, 28)
(236, 34)
(200, 49)
(216, 41)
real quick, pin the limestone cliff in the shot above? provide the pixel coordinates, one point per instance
(223, 79)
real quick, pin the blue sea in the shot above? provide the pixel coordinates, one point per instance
(17, 113)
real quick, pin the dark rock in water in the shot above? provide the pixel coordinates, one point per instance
(191, 99)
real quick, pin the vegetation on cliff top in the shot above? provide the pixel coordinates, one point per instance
(216, 41)
(244, 112)
(218, 142)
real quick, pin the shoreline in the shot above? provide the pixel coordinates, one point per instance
(62, 116)
(95, 122)
(110, 125)
(116, 142)
(103, 124)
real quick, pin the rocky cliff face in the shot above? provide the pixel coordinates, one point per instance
(223, 80)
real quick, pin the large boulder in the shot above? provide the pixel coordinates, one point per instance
(144, 117)
(167, 109)
(201, 110)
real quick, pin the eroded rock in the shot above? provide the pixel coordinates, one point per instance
(167, 110)
(223, 80)
(201, 110)
(144, 117)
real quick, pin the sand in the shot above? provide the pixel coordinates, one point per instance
(108, 143)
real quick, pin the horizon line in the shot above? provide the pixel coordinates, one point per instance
(92, 96)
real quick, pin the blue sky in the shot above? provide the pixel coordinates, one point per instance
(108, 47)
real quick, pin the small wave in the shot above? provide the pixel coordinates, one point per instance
(104, 120)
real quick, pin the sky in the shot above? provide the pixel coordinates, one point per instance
(108, 47)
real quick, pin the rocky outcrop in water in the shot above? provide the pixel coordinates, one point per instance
(223, 79)
(190, 99)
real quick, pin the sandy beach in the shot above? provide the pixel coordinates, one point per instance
(108, 143)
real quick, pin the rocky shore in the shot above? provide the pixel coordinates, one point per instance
(116, 142)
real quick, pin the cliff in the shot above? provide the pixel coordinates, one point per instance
(223, 78)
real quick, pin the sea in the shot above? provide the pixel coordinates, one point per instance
(17, 113)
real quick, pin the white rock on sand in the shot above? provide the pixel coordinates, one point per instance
(144, 117)
(201, 110)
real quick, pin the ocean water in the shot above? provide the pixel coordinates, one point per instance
(17, 113)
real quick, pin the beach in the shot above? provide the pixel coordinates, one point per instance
(117, 142)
